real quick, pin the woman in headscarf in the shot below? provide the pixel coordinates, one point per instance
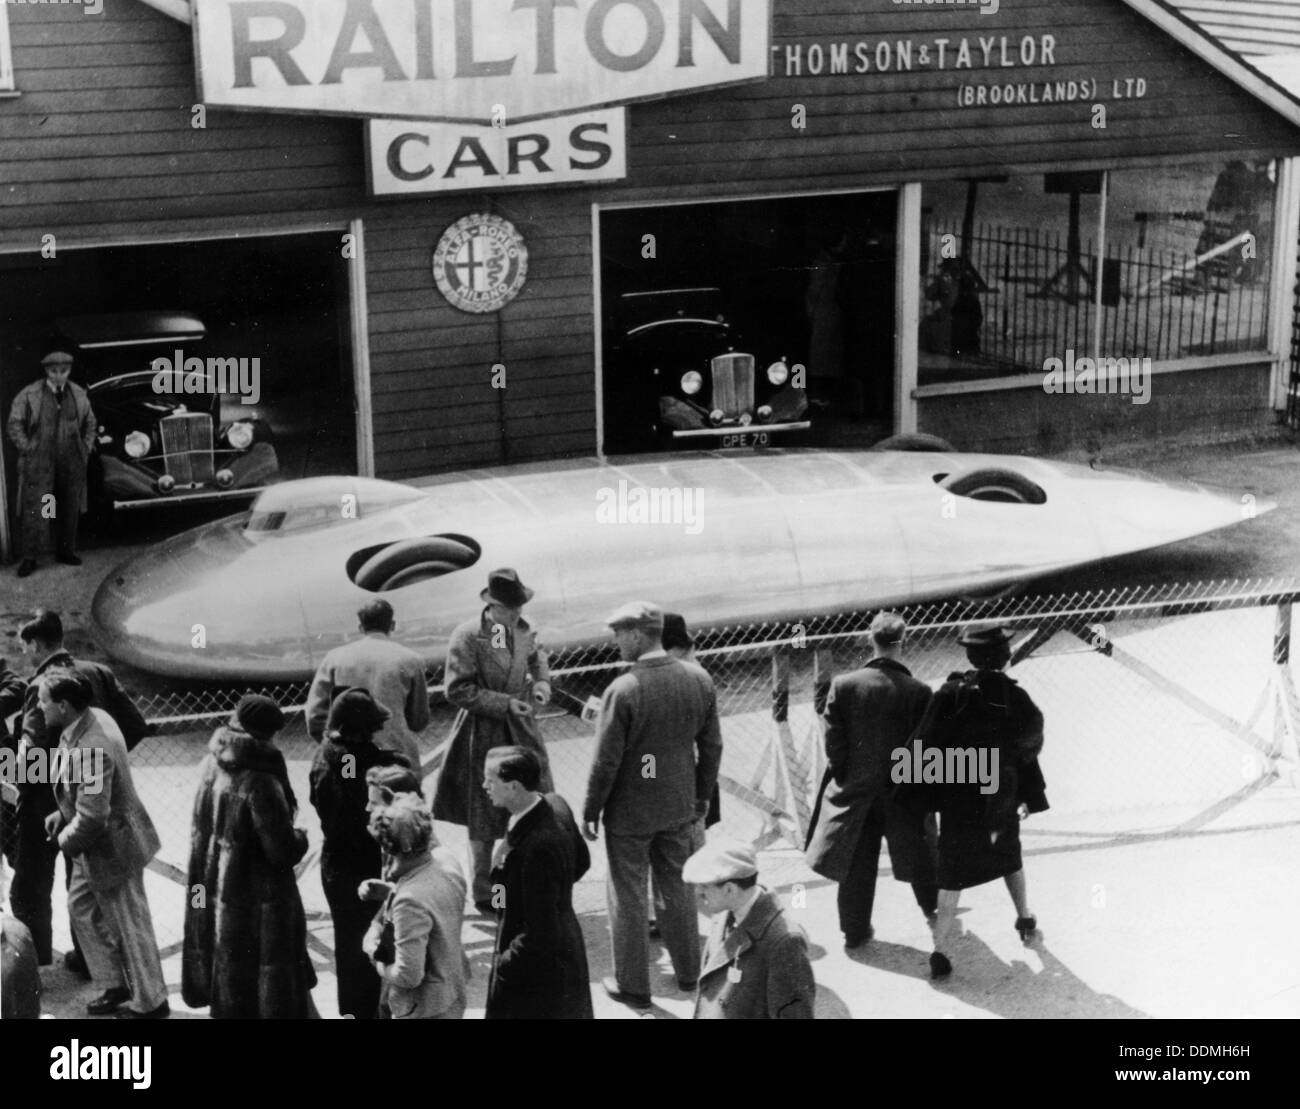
(349, 854)
(245, 951)
(414, 942)
(981, 711)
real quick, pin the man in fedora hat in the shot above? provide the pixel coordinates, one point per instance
(756, 964)
(871, 713)
(658, 748)
(53, 428)
(496, 672)
(392, 674)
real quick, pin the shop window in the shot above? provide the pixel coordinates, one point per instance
(6, 58)
(1010, 273)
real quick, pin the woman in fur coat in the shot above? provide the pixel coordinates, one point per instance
(245, 951)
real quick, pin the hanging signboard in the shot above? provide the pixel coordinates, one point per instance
(406, 157)
(471, 60)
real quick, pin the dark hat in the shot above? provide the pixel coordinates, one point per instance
(675, 633)
(258, 715)
(888, 629)
(988, 633)
(355, 711)
(44, 625)
(638, 614)
(505, 588)
(58, 358)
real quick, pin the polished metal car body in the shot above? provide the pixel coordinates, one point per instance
(773, 535)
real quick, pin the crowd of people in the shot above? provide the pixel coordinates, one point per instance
(398, 898)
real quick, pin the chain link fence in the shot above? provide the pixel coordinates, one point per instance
(1163, 706)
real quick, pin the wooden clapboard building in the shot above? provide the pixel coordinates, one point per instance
(924, 206)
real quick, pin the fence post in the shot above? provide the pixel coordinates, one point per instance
(781, 684)
(1282, 634)
(1286, 718)
(823, 671)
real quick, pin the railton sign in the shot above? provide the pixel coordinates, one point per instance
(471, 60)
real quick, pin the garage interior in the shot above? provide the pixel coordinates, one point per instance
(807, 278)
(282, 299)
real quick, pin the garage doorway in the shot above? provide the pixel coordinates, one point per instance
(283, 300)
(807, 280)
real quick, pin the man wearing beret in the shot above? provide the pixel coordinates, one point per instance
(53, 428)
(871, 713)
(756, 963)
(658, 747)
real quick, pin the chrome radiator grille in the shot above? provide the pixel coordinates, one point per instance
(733, 384)
(187, 447)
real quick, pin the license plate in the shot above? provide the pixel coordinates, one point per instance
(747, 439)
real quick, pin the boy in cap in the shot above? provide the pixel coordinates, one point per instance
(871, 713)
(756, 962)
(658, 747)
(53, 428)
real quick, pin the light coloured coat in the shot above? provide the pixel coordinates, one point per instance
(106, 822)
(392, 674)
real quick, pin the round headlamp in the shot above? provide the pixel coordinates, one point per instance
(136, 444)
(778, 373)
(225, 479)
(240, 435)
(716, 417)
(692, 382)
(166, 483)
(764, 413)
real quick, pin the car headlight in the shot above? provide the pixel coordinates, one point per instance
(778, 373)
(166, 483)
(136, 444)
(240, 435)
(716, 417)
(746, 419)
(225, 479)
(692, 382)
(764, 412)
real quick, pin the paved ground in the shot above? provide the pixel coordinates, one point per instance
(1181, 909)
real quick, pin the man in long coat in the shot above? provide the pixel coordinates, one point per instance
(53, 428)
(103, 827)
(495, 673)
(539, 966)
(245, 949)
(871, 713)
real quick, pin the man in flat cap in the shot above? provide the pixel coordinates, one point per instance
(53, 428)
(496, 672)
(658, 747)
(871, 713)
(756, 962)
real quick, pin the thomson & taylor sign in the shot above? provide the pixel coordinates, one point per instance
(471, 60)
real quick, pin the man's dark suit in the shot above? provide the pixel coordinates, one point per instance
(539, 970)
(871, 713)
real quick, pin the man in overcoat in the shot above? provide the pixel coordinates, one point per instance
(53, 428)
(102, 826)
(658, 748)
(539, 966)
(756, 964)
(496, 673)
(871, 713)
(391, 673)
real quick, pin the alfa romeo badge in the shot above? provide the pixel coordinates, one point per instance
(480, 263)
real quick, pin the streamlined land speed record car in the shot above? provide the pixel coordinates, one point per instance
(725, 538)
